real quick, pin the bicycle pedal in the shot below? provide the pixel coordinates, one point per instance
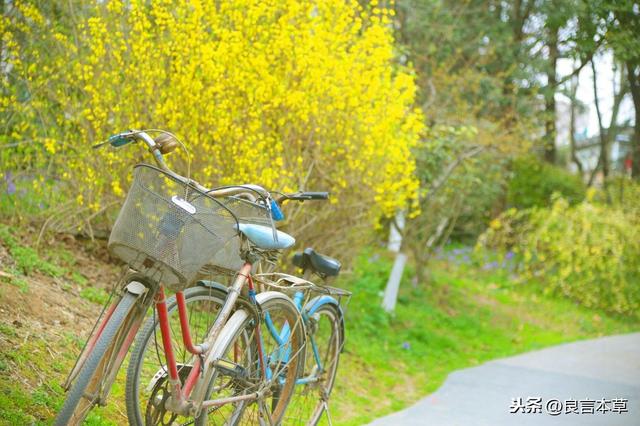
(229, 368)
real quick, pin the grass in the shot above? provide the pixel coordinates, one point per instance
(462, 317)
(95, 295)
(26, 258)
(35, 360)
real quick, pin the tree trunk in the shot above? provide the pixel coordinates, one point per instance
(633, 76)
(550, 100)
(604, 134)
(572, 126)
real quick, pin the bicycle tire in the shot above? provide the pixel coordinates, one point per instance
(77, 405)
(308, 402)
(274, 303)
(142, 344)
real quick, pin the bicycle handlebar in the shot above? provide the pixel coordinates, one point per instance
(305, 196)
(302, 196)
(248, 191)
(130, 136)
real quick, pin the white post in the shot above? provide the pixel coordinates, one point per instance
(395, 237)
(393, 283)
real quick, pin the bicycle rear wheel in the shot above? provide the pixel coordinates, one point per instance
(281, 338)
(323, 347)
(87, 387)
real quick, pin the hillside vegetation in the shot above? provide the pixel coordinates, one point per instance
(468, 315)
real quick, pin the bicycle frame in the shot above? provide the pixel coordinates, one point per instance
(189, 396)
(180, 401)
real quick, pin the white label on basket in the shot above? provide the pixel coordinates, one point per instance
(183, 204)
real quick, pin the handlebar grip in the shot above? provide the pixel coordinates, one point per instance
(302, 196)
(121, 139)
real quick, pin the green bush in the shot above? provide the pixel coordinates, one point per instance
(534, 182)
(623, 193)
(589, 252)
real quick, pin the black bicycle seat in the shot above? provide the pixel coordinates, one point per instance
(322, 265)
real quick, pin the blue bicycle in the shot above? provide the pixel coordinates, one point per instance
(321, 307)
(238, 367)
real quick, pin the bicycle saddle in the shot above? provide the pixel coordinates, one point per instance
(262, 236)
(322, 265)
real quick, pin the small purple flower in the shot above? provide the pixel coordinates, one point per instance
(490, 265)
(406, 345)
(11, 186)
(509, 255)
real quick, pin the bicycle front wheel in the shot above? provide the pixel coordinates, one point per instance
(324, 343)
(87, 387)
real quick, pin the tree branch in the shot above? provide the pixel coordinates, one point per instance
(437, 184)
(585, 61)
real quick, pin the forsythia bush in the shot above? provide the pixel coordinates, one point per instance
(288, 94)
(589, 252)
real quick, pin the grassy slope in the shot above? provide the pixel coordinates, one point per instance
(462, 318)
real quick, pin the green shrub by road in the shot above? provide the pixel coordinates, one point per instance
(589, 252)
(534, 181)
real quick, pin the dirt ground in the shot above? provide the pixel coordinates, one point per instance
(44, 321)
(51, 303)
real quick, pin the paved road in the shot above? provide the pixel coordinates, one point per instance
(607, 368)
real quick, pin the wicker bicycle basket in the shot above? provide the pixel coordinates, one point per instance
(168, 230)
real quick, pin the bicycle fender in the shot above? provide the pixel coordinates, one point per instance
(213, 284)
(314, 304)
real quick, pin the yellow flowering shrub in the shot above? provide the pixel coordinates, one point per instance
(589, 252)
(287, 94)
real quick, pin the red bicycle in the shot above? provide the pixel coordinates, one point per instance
(250, 343)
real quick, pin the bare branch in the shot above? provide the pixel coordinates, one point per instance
(439, 182)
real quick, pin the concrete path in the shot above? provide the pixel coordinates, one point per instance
(583, 373)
